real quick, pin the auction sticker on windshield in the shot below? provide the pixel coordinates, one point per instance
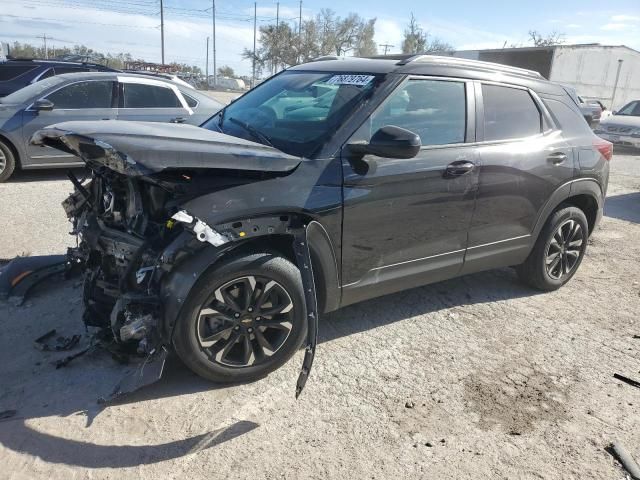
(359, 80)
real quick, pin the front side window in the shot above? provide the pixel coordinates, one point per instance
(96, 94)
(138, 95)
(9, 71)
(509, 113)
(296, 111)
(434, 109)
(62, 70)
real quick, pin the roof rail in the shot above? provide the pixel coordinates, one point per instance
(471, 63)
(324, 58)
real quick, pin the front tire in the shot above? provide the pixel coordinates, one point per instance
(558, 252)
(7, 162)
(242, 319)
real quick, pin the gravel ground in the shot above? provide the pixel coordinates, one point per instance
(477, 377)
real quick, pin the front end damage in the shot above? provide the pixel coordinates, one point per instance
(133, 233)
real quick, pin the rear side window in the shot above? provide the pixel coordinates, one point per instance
(96, 94)
(571, 122)
(509, 113)
(137, 95)
(9, 72)
(434, 109)
(192, 102)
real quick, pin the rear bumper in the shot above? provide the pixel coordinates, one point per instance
(622, 140)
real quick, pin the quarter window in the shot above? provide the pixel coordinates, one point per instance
(509, 113)
(83, 95)
(138, 95)
(434, 109)
(192, 102)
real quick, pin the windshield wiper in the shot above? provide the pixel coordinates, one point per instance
(253, 131)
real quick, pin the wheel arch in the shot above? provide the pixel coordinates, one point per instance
(176, 286)
(7, 141)
(584, 193)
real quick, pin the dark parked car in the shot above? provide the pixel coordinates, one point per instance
(225, 242)
(89, 96)
(18, 73)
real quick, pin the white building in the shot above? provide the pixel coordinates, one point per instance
(610, 74)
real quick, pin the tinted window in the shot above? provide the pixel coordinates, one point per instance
(632, 108)
(509, 113)
(192, 102)
(571, 122)
(47, 73)
(434, 109)
(137, 95)
(83, 95)
(9, 72)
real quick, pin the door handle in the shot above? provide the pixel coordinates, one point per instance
(460, 167)
(557, 158)
(178, 120)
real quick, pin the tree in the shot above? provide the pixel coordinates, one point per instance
(554, 38)
(226, 71)
(365, 45)
(417, 41)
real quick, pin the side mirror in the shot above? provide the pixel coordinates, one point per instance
(615, 112)
(390, 142)
(43, 105)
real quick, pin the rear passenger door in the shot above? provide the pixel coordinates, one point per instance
(523, 159)
(151, 101)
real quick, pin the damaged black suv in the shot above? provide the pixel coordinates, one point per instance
(332, 182)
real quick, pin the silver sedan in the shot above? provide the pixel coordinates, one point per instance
(89, 96)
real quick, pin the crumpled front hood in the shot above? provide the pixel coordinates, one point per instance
(141, 148)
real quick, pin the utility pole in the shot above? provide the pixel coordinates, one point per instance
(615, 85)
(255, 17)
(386, 47)
(44, 40)
(274, 63)
(207, 65)
(162, 30)
(300, 31)
(215, 70)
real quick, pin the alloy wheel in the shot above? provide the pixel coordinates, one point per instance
(563, 252)
(245, 322)
(3, 161)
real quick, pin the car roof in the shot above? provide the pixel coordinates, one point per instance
(434, 65)
(115, 75)
(53, 63)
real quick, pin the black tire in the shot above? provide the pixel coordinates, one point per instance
(7, 162)
(265, 269)
(538, 270)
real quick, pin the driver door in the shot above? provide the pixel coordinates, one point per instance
(406, 220)
(85, 100)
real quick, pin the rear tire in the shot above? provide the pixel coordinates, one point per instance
(558, 252)
(7, 162)
(225, 331)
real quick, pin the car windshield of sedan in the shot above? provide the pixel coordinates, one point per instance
(295, 112)
(632, 109)
(28, 93)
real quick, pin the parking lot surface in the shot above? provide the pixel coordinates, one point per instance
(478, 377)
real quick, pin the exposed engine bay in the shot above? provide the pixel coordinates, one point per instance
(133, 231)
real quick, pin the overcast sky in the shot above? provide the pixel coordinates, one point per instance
(133, 25)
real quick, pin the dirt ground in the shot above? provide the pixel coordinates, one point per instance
(478, 377)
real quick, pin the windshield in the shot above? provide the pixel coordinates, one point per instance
(295, 112)
(28, 93)
(632, 109)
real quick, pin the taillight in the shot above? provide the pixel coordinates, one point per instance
(605, 148)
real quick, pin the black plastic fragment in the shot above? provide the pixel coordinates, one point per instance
(22, 273)
(627, 380)
(7, 414)
(303, 259)
(148, 372)
(65, 361)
